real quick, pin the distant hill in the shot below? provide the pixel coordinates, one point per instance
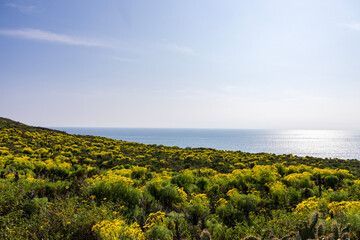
(8, 123)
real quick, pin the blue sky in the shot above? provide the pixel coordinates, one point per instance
(182, 64)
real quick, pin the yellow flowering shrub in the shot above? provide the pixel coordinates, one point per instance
(232, 192)
(200, 197)
(341, 173)
(115, 187)
(207, 172)
(299, 180)
(34, 180)
(27, 150)
(118, 229)
(199, 205)
(338, 208)
(111, 176)
(10, 176)
(23, 163)
(182, 193)
(244, 174)
(221, 201)
(153, 219)
(310, 205)
(298, 169)
(265, 174)
(138, 172)
(4, 151)
(278, 192)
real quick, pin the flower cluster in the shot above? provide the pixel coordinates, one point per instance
(339, 208)
(118, 229)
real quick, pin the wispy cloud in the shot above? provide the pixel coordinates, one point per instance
(120, 59)
(31, 9)
(36, 34)
(353, 26)
(181, 49)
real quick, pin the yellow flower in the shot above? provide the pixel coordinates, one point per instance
(308, 205)
(154, 219)
(232, 192)
(92, 196)
(339, 208)
(117, 228)
(328, 219)
(67, 187)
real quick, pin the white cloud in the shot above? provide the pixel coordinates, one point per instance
(41, 35)
(24, 9)
(353, 26)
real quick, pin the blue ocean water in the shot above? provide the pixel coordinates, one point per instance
(316, 143)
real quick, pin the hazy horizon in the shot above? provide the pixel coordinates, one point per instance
(199, 128)
(273, 64)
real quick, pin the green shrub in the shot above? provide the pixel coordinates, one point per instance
(35, 205)
(202, 183)
(331, 181)
(354, 220)
(115, 191)
(169, 196)
(159, 232)
(184, 180)
(339, 196)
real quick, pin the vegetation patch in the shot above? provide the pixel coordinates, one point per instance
(59, 186)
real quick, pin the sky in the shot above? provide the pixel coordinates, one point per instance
(263, 64)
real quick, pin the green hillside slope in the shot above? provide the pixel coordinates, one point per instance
(60, 186)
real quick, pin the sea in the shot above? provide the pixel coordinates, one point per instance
(342, 144)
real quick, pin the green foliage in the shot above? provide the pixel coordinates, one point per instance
(354, 221)
(159, 232)
(35, 205)
(331, 181)
(279, 193)
(178, 225)
(339, 196)
(169, 196)
(198, 207)
(59, 186)
(202, 183)
(116, 191)
(229, 214)
(184, 180)
(11, 197)
(216, 228)
(244, 204)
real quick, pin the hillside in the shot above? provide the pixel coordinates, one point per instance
(62, 186)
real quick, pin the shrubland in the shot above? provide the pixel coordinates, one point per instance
(60, 186)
